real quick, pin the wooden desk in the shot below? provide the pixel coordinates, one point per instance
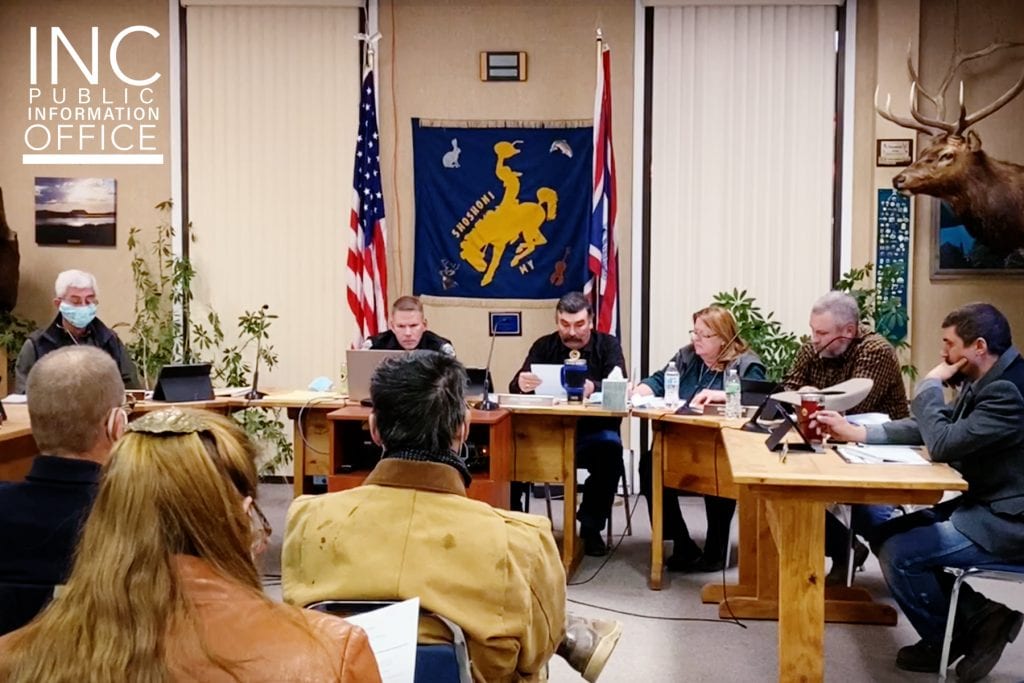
(544, 450)
(311, 434)
(348, 466)
(688, 455)
(791, 500)
(17, 447)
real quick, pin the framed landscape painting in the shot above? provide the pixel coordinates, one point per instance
(956, 254)
(76, 211)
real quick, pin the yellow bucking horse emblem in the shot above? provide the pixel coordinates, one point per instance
(511, 219)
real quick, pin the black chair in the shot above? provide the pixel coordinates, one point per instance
(435, 663)
(1000, 572)
(21, 602)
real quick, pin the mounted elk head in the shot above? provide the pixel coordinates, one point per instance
(986, 193)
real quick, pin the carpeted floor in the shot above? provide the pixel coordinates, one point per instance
(670, 636)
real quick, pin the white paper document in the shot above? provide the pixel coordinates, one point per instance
(876, 454)
(868, 419)
(12, 399)
(550, 379)
(392, 631)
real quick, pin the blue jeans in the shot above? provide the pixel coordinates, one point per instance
(912, 562)
(866, 519)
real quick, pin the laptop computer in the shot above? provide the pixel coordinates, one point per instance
(360, 366)
(177, 383)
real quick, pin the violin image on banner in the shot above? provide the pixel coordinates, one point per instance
(558, 275)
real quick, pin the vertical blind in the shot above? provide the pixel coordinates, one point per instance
(272, 104)
(742, 162)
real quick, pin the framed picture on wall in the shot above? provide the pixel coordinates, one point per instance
(76, 211)
(957, 254)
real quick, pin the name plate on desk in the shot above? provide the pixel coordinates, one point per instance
(525, 400)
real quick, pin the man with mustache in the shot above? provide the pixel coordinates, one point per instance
(598, 441)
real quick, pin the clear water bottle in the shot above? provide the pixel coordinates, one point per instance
(733, 405)
(671, 385)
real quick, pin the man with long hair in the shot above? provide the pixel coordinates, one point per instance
(981, 434)
(74, 401)
(164, 584)
(410, 531)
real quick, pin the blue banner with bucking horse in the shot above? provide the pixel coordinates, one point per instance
(502, 212)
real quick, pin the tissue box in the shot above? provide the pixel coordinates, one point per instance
(613, 394)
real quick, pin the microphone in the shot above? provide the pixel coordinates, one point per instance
(685, 409)
(817, 354)
(487, 403)
(254, 393)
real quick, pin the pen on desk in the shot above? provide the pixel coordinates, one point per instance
(785, 452)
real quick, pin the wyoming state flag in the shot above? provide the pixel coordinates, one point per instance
(501, 213)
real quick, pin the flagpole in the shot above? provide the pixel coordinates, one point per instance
(597, 125)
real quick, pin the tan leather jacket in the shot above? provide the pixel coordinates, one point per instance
(410, 531)
(260, 641)
(270, 642)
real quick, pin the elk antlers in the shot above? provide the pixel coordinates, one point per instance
(930, 125)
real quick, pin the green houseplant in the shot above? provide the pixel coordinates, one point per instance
(879, 309)
(776, 347)
(158, 335)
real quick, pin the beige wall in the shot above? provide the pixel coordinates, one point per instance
(884, 29)
(431, 70)
(139, 188)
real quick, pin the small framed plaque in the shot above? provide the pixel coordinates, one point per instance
(894, 152)
(506, 324)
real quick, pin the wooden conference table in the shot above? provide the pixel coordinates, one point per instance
(18, 448)
(524, 443)
(791, 498)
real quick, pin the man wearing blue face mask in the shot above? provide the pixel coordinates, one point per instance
(76, 324)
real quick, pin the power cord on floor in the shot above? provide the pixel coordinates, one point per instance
(611, 551)
(655, 617)
(725, 593)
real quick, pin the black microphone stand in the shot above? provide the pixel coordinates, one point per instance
(487, 403)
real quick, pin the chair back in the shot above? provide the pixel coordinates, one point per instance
(21, 602)
(435, 663)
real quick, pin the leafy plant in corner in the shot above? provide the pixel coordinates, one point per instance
(163, 291)
(776, 347)
(880, 310)
(14, 330)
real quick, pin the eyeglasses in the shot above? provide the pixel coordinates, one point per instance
(261, 528)
(694, 334)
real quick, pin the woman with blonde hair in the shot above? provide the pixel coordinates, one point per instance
(164, 586)
(715, 347)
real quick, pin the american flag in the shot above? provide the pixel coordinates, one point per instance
(367, 252)
(603, 259)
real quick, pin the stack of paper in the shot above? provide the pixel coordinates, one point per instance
(874, 454)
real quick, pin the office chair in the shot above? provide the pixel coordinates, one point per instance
(998, 572)
(21, 602)
(435, 663)
(623, 492)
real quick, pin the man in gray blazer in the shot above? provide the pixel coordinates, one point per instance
(981, 434)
